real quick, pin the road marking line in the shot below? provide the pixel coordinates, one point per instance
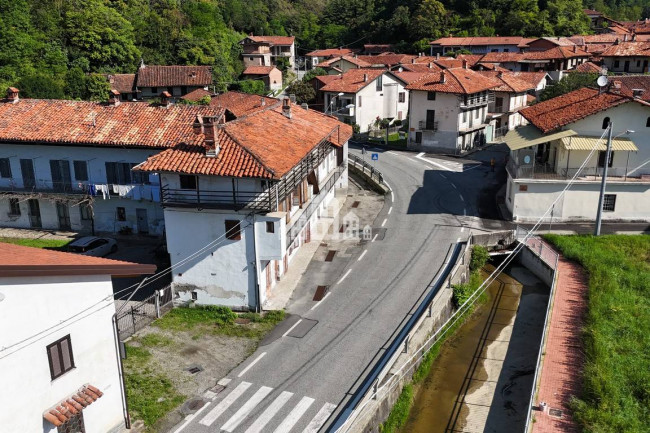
(375, 237)
(419, 155)
(251, 364)
(291, 329)
(462, 198)
(319, 302)
(320, 418)
(428, 161)
(362, 254)
(224, 382)
(246, 409)
(190, 417)
(270, 412)
(462, 229)
(224, 404)
(344, 277)
(390, 209)
(392, 197)
(384, 222)
(293, 417)
(453, 186)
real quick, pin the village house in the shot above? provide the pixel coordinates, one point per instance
(60, 365)
(266, 50)
(66, 165)
(560, 136)
(448, 110)
(253, 189)
(342, 64)
(240, 104)
(269, 75)
(314, 58)
(361, 96)
(125, 85)
(178, 81)
(479, 45)
(627, 57)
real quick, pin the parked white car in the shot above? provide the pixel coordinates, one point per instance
(93, 246)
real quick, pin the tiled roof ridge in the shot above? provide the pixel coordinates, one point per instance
(460, 83)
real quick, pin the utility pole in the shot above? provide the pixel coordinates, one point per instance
(601, 198)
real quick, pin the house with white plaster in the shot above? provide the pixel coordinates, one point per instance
(361, 96)
(479, 45)
(266, 50)
(178, 81)
(314, 58)
(60, 365)
(567, 131)
(245, 196)
(627, 57)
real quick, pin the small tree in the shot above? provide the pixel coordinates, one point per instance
(304, 92)
(97, 88)
(41, 86)
(255, 87)
(316, 72)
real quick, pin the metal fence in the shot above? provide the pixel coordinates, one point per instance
(366, 168)
(538, 247)
(137, 315)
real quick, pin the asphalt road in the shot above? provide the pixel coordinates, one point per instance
(304, 375)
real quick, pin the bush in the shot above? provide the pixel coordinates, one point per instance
(400, 412)
(480, 257)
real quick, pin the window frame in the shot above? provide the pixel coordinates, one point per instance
(270, 227)
(229, 226)
(401, 97)
(601, 159)
(120, 213)
(647, 122)
(605, 124)
(14, 207)
(431, 96)
(57, 343)
(379, 83)
(184, 178)
(80, 170)
(5, 168)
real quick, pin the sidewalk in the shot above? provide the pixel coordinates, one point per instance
(563, 361)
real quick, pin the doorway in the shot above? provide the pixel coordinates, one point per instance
(34, 214)
(63, 214)
(143, 221)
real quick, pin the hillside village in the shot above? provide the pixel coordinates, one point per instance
(169, 193)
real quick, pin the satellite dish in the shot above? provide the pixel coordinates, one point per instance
(602, 81)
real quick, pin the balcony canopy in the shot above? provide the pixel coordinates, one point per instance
(527, 136)
(587, 143)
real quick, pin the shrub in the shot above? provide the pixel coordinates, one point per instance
(480, 257)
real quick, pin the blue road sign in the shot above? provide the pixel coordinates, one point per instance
(375, 156)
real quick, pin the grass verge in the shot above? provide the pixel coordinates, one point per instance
(50, 244)
(616, 334)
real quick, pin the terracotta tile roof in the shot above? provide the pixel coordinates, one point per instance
(324, 79)
(602, 38)
(123, 83)
(456, 80)
(265, 144)
(501, 57)
(596, 49)
(587, 67)
(163, 76)
(629, 83)
(330, 52)
(449, 62)
(274, 40)
(409, 76)
(138, 124)
(354, 60)
(570, 107)
(387, 59)
(353, 80)
(258, 70)
(492, 67)
(471, 59)
(196, 94)
(68, 408)
(556, 53)
(592, 12)
(241, 104)
(511, 81)
(421, 67)
(377, 48)
(627, 49)
(17, 261)
(480, 41)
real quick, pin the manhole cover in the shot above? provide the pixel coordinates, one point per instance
(192, 406)
(194, 369)
(320, 292)
(330, 255)
(555, 412)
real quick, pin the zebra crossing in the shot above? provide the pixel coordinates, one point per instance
(285, 412)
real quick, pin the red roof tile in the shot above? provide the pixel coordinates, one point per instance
(480, 41)
(627, 49)
(330, 52)
(629, 83)
(410, 76)
(123, 83)
(274, 40)
(568, 108)
(561, 52)
(89, 123)
(18, 261)
(354, 60)
(164, 76)
(512, 81)
(455, 80)
(587, 67)
(387, 60)
(502, 57)
(68, 408)
(196, 94)
(258, 70)
(491, 67)
(421, 67)
(353, 80)
(241, 104)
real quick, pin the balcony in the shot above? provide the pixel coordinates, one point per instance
(476, 100)
(225, 200)
(44, 187)
(427, 126)
(587, 174)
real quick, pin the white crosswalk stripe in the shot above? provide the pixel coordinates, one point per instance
(320, 418)
(270, 412)
(293, 417)
(219, 409)
(247, 408)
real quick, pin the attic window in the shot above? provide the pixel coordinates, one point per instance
(605, 122)
(233, 230)
(647, 122)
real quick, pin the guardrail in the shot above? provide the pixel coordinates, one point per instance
(365, 167)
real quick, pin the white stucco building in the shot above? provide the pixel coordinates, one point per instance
(360, 96)
(59, 361)
(479, 45)
(241, 203)
(562, 132)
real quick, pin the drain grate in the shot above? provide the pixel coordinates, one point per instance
(356, 204)
(320, 292)
(555, 412)
(330, 255)
(195, 369)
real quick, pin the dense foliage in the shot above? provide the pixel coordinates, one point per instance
(568, 83)
(47, 45)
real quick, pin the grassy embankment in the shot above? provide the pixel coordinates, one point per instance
(50, 244)
(150, 391)
(400, 412)
(616, 335)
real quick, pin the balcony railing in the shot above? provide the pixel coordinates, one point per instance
(546, 172)
(223, 199)
(428, 126)
(473, 101)
(42, 186)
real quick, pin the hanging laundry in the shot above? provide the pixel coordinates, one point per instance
(155, 193)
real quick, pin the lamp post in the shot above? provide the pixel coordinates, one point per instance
(332, 102)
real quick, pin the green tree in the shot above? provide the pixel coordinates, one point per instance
(97, 88)
(304, 92)
(316, 72)
(75, 83)
(255, 87)
(428, 20)
(569, 83)
(40, 86)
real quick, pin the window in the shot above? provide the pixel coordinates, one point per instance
(154, 90)
(498, 104)
(431, 120)
(14, 207)
(476, 113)
(5, 168)
(601, 158)
(187, 181)
(605, 122)
(494, 50)
(80, 170)
(233, 231)
(183, 90)
(359, 101)
(506, 50)
(140, 178)
(379, 83)
(60, 357)
(402, 96)
(617, 63)
(270, 227)
(464, 116)
(647, 122)
(609, 203)
(86, 212)
(121, 213)
(74, 425)
(431, 96)
(119, 173)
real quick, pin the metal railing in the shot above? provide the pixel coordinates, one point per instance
(211, 199)
(427, 126)
(366, 168)
(472, 101)
(548, 172)
(141, 314)
(46, 186)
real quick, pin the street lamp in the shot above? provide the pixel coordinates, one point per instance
(603, 183)
(332, 102)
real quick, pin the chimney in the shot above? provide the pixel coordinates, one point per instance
(12, 95)
(304, 106)
(197, 126)
(634, 37)
(165, 99)
(430, 65)
(286, 107)
(114, 98)
(625, 37)
(464, 64)
(365, 77)
(616, 87)
(442, 77)
(495, 66)
(263, 101)
(437, 56)
(413, 60)
(500, 74)
(210, 134)
(575, 48)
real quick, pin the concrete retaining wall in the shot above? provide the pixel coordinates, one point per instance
(495, 241)
(536, 265)
(356, 171)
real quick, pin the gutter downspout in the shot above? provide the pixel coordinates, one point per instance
(120, 369)
(258, 297)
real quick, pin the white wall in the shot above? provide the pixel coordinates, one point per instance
(635, 64)
(34, 304)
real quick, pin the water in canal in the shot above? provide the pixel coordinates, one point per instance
(482, 378)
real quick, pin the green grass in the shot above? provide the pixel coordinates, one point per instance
(50, 244)
(400, 412)
(155, 340)
(393, 140)
(616, 335)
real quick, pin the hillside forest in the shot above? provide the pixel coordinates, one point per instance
(52, 48)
